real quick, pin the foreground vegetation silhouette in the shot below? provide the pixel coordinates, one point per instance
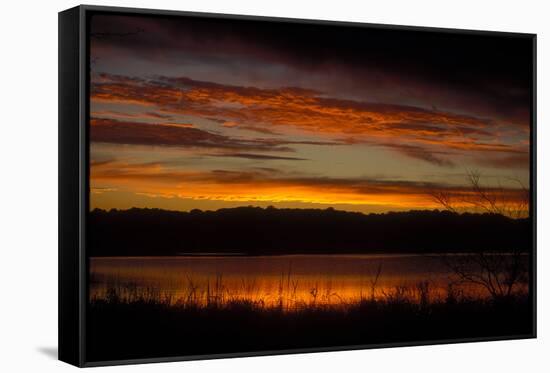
(152, 325)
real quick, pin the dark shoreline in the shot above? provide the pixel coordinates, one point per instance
(127, 330)
(256, 231)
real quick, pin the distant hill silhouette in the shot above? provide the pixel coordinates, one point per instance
(259, 231)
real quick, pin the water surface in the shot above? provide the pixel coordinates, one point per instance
(289, 280)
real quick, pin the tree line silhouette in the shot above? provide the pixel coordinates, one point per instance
(272, 231)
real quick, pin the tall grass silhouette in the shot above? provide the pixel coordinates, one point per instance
(208, 317)
(290, 295)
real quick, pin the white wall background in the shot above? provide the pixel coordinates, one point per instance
(28, 184)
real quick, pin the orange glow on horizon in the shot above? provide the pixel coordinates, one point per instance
(153, 180)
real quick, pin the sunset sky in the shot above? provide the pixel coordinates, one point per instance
(196, 113)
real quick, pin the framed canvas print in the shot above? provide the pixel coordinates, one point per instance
(239, 186)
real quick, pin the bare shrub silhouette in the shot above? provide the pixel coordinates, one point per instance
(494, 200)
(488, 199)
(500, 274)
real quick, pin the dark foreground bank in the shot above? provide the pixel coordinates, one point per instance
(151, 329)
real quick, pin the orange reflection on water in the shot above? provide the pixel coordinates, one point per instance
(292, 281)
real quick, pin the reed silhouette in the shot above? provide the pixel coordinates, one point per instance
(151, 324)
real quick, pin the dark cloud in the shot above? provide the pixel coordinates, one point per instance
(257, 156)
(152, 114)
(516, 161)
(127, 115)
(186, 135)
(487, 74)
(422, 154)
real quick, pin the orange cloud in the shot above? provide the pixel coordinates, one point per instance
(262, 110)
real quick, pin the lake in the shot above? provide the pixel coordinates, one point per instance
(290, 281)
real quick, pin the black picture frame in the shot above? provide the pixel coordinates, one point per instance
(74, 81)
